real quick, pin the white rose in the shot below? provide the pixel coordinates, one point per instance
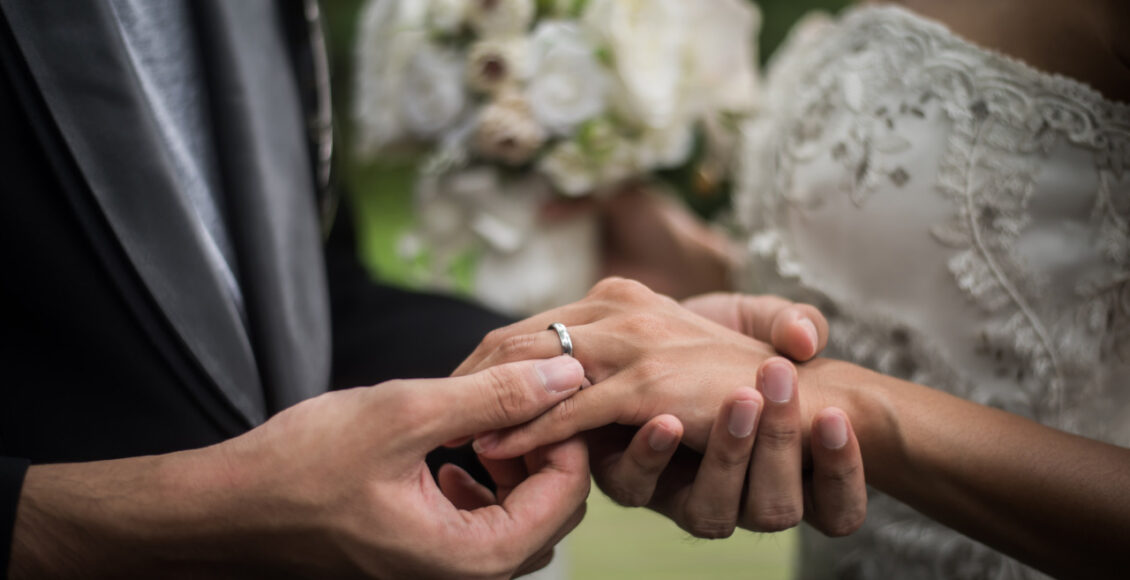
(601, 164)
(432, 97)
(499, 18)
(722, 57)
(647, 42)
(570, 170)
(447, 16)
(507, 131)
(495, 64)
(390, 33)
(568, 85)
(666, 148)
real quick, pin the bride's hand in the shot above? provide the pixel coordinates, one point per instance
(744, 478)
(655, 239)
(646, 356)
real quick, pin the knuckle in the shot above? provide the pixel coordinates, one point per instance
(710, 527)
(565, 412)
(626, 494)
(778, 436)
(621, 289)
(776, 517)
(731, 460)
(843, 476)
(495, 338)
(845, 524)
(506, 393)
(516, 347)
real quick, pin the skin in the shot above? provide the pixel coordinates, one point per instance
(1053, 500)
(333, 487)
(651, 362)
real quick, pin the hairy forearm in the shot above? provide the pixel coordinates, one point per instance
(178, 514)
(1054, 500)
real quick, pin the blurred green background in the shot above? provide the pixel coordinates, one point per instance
(613, 542)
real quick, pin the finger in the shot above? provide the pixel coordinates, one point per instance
(775, 500)
(462, 490)
(838, 489)
(714, 502)
(545, 556)
(799, 331)
(498, 397)
(631, 478)
(506, 338)
(591, 408)
(538, 507)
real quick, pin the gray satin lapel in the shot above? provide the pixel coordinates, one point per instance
(79, 61)
(265, 160)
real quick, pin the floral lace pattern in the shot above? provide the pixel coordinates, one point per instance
(1019, 179)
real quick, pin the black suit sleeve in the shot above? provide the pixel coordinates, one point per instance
(382, 333)
(12, 473)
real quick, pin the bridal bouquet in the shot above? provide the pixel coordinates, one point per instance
(509, 103)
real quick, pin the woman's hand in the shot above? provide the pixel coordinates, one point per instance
(748, 477)
(654, 239)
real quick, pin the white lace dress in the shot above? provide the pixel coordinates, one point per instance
(963, 221)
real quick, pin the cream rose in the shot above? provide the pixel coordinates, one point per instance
(493, 65)
(507, 131)
(501, 18)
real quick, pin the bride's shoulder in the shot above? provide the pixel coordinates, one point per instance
(884, 44)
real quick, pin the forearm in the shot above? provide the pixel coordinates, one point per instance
(178, 514)
(1054, 500)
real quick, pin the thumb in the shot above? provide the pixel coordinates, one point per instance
(498, 397)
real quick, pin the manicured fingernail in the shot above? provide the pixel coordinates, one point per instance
(833, 431)
(743, 417)
(661, 439)
(777, 382)
(485, 442)
(561, 374)
(809, 328)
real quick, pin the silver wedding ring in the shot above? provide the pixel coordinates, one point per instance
(563, 336)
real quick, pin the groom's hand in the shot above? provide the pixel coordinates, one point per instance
(335, 487)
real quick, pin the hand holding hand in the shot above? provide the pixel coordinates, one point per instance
(336, 487)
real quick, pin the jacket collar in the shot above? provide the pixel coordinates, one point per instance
(79, 63)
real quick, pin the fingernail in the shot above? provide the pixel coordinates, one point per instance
(777, 382)
(561, 374)
(833, 431)
(661, 439)
(810, 330)
(485, 442)
(743, 417)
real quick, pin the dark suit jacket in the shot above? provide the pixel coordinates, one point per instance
(116, 338)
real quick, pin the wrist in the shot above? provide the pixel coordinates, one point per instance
(864, 396)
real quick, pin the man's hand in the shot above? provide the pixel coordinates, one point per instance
(333, 487)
